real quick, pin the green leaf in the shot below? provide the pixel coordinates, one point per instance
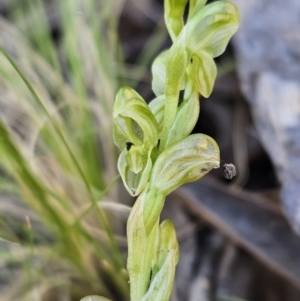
(186, 118)
(185, 161)
(141, 249)
(182, 125)
(94, 298)
(152, 274)
(163, 272)
(152, 202)
(203, 73)
(167, 246)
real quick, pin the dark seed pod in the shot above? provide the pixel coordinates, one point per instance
(229, 171)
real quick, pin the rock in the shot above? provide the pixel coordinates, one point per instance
(268, 52)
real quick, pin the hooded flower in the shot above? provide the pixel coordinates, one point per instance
(135, 132)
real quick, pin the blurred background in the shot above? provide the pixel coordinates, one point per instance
(63, 210)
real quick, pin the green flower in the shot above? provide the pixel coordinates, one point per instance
(204, 37)
(185, 161)
(135, 132)
(190, 59)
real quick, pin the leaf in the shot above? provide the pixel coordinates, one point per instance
(203, 73)
(94, 298)
(141, 247)
(160, 253)
(182, 125)
(163, 272)
(186, 118)
(167, 246)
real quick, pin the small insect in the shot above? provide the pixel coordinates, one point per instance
(128, 145)
(229, 171)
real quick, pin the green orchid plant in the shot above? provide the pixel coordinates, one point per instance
(158, 154)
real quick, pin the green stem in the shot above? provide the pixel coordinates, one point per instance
(175, 71)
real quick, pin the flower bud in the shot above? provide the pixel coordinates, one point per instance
(174, 10)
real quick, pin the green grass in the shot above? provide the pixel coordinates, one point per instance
(56, 151)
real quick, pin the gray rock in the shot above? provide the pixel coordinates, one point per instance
(268, 52)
